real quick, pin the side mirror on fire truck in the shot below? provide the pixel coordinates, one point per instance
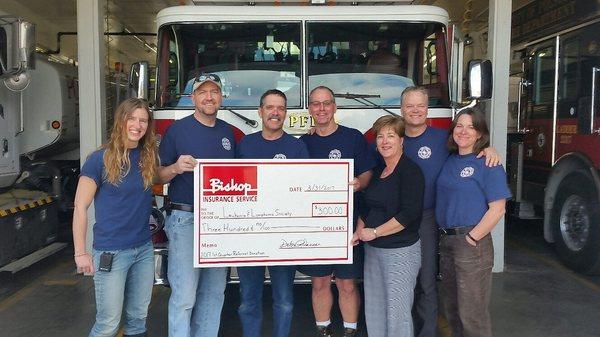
(17, 52)
(19, 41)
(138, 80)
(480, 79)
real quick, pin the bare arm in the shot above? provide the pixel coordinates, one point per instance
(388, 228)
(360, 225)
(86, 189)
(363, 181)
(185, 163)
(489, 220)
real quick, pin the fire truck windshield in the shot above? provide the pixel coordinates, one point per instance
(373, 58)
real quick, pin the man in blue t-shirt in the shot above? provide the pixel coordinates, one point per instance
(334, 141)
(270, 143)
(427, 147)
(196, 294)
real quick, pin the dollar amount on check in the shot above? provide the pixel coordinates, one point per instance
(272, 212)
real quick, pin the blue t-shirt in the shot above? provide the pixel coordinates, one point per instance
(122, 211)
(188, 136)
(254, 146)
(465, 186)
(429, 151)
(344, 143)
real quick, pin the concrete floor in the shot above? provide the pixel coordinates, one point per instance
(535, 296)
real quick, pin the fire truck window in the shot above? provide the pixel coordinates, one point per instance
(249, 57)
(543, 82)
(590, 59)
(579, 54)
(569, 74)
(429, 75)
(378, 59)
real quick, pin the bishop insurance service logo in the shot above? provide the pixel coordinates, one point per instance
(232, 183)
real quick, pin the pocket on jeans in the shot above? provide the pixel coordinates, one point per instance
(464, 251)
(468, 244)
(180, 219)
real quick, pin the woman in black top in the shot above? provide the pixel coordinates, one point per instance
(389, 224)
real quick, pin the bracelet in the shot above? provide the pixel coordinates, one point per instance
(79, 255)
(472, 238)
(375, 232)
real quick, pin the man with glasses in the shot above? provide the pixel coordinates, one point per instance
(196, 294)
(270, 143)
(334, 141)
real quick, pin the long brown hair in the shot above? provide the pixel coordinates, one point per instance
(116, 156)
(479, 124)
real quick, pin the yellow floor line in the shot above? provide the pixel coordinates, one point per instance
(554, 264)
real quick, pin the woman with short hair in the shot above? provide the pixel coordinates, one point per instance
(389, 225)
(470, 200)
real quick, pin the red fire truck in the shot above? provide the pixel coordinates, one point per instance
(367, 54)
(556, 155)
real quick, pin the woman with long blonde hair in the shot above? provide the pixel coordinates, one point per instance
(118, 178)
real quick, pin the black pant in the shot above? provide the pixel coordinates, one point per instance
(425, 307)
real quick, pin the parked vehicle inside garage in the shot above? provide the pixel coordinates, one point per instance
(39, 142)
(555, 156)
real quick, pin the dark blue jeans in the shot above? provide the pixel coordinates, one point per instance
(251, 290)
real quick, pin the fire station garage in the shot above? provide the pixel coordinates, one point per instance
(119, 217)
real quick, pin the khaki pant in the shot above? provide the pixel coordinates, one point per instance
(467, 284)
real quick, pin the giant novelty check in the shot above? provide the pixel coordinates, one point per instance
(272, 212)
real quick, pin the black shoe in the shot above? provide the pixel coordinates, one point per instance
(323, 331)
(349, 332)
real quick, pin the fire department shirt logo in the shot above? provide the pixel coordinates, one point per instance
(467, 172)
(226, 144)
(335, 154)
(424, 152)
(279, 156)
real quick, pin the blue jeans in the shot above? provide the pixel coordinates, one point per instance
(129, 284)
(197, 294)
(251, 290)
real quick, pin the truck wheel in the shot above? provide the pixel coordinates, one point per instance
(576, 223)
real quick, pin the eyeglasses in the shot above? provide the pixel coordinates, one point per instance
(317, 104)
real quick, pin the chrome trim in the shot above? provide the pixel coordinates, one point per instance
(555, 108)
(594, 71)
(519, 105)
